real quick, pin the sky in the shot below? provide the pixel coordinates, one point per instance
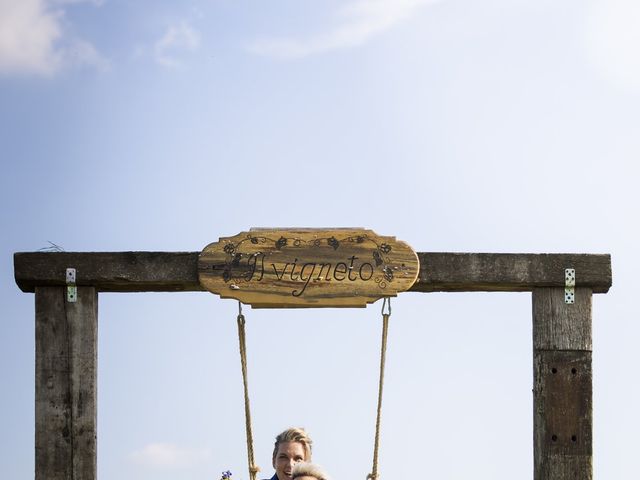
(453, 125)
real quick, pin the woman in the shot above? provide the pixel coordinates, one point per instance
(292, 446)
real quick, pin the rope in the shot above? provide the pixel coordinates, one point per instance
(253, 468)
(383, 353)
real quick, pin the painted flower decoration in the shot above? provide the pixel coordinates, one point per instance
(281, 243)
(333, 241)
(385, 248)
(388, 273)
(229, 248)
(226, 475)
(377, 258)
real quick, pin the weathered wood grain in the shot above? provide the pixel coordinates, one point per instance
(562, 393)
(285, 268)
(566, 467)
(563, 327)
(562, 415)
(110, 271)
(52, 390)
(439, 272)
(65, 390)
(514, 272)
(562, 385)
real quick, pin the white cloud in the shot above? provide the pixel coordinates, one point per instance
(166, 455)
(613, 41)
(28, 32)
(177, 40)
(359, 22)
(32, 39)
(81, 52)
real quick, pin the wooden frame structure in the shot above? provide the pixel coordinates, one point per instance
(66, 342)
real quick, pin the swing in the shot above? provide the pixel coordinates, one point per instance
(253, 468)
(308, 268)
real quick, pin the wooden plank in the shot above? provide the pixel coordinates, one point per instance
(514, 272)
(439, 272)
(82, 317)
(288, 268)
(52, 389)
(567, 467)
(65, 396)
(565, 327)
(562, 391)
(562, 385)
(110, 271)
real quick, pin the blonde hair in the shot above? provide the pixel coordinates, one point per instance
(294, 435)
(305, 469)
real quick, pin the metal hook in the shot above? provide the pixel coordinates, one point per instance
(386, 301)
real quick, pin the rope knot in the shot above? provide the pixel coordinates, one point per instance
(254, 469)
(372, 476)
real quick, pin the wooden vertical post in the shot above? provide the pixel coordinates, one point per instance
(562, 391)
(65, 390)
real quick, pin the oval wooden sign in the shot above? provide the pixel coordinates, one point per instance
(275, 268)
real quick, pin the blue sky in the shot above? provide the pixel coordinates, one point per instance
(494, 126)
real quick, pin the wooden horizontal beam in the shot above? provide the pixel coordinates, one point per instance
(439, 272)
(511, 272)
(110, 271)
